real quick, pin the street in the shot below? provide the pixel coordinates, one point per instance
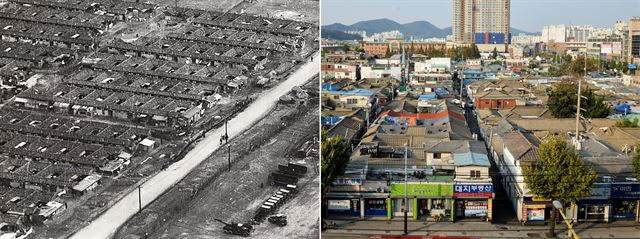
(107, 224)
(366, 229)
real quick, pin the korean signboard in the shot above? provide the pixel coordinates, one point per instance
(534, 212)
(606, 48)
(473, 190)
(339, 204)
(425, 190)
(616, 48)
(347, 181)
(625, 190)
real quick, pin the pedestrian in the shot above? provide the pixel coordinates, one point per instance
(220, 140)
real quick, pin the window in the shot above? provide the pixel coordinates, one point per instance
(475, 173)
(437, 155)
(352, 101)
(437, 204)
(335, 97)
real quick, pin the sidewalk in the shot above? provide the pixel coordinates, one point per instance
(365, 229)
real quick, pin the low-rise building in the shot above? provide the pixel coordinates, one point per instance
(338, 71)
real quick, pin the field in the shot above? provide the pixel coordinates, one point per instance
(189, 210)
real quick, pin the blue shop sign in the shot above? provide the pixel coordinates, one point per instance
(625, 190)
(465, 190)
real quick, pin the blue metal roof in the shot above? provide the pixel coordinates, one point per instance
(471, 159)
(330, 120)
(363, 92)
(472, 72)
(427, 97)
(441, 91)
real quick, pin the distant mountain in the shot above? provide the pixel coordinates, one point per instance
(418, 29)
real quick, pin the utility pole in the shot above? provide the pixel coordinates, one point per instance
(229, 156)
(461, 85)
(406, 203)
(576, 143)
(226, 132)
(139, 199)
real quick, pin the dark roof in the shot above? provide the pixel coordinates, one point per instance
(520, 147)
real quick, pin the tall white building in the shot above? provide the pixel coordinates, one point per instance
(481, 21)
(382, 36)
(526, 39)
(554, 33)
(562, 33)
(579, 33)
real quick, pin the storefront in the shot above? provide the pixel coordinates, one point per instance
(534, 212)
(593, 211)
(625, 198)
(343, 207)
(399, 206)
(594, 208)
(535, 209)
(473, 201)
(425, 201)
(375, 207)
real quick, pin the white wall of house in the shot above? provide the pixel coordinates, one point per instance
(377, 72)
(464, 172)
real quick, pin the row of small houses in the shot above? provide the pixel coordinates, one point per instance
(181, 56)
(186, 117)
(116, 8)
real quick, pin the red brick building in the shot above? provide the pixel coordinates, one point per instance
(494, 100)
(395, 46)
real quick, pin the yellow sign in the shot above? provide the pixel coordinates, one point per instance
(539, 199)
(536, 206)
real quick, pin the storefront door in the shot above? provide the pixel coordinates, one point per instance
(399, 207)
(423, 206)
(592, 213)
(460, 209)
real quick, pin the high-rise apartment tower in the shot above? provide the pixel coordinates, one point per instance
(481, 21)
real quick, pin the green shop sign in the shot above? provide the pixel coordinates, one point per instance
(424, 190)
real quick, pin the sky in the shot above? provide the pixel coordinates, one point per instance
(527, 15)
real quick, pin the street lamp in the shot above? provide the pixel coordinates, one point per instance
(557, 205)
(406, 203)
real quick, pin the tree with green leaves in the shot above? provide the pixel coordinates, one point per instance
(559, 174)
(476, 52)
(636, 162)
(335, 157)
(564, 98)
(594, 105)
(345, 48)
(387, 53)
(561, 98)
(626, 123)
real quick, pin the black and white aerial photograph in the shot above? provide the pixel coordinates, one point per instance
(159, 119)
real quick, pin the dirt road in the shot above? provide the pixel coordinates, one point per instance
(235, 196)
(105, 225)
